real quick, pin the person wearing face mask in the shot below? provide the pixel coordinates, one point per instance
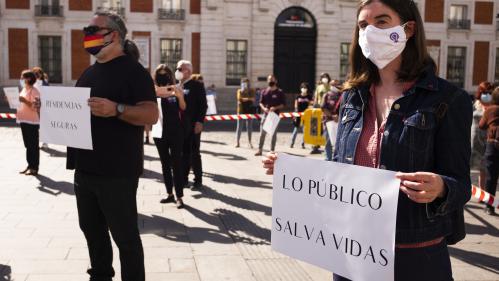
(29, 120)
(479, 136)
(320, 91)
(272, 99)
(170, 144)
(302, 102)
(122, 100)
(245, 99)
(396, 114)
(490, 122)
(330, 107)
(193, 118)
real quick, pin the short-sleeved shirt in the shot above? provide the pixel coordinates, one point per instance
(331, 101)
(26, 113)
(245, 107)
(303, 102)
(172, 117)
(271, 98)
(117, 145)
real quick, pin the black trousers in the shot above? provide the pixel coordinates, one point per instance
(104, 204)
(491, 167)
(420, 264)
(192, 157)
(170, 154)
(31, 142)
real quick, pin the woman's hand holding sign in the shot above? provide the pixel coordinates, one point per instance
(422, 187)
(268, 162)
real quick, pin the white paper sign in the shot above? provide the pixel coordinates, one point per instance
(271, 122)
(143, 46)
(336, 216)
(12, 95)
(332, 130)
(212, 106)
(157, 129)
(65, 116)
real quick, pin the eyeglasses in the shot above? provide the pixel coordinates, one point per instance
(92, 29)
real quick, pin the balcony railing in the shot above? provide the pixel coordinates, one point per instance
(459, 24)
(171, 14)
(118, 10)
(48, 11)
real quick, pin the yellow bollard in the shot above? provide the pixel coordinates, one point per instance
(312, 127)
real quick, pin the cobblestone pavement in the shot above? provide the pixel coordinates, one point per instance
(222, 234)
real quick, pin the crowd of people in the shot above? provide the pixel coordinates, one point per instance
(392, 113)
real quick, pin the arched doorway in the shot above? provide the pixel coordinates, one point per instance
(295, 41)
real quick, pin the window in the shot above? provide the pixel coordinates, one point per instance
(237, 59)
(458, 17)
(171, 52)
(110, 4)
(170, 4)
(48, 8)
(456, 63)
(496, 77)
(49, 52)
(344, 60)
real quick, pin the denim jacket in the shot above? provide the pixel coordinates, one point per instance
(427, 129)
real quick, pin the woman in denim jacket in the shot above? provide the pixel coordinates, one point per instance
(396, 114)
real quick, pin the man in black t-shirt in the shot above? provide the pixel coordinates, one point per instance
(195, 99)
(122, 101)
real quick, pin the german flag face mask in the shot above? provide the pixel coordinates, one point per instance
(93, 42)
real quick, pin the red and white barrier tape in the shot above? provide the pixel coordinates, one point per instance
(207, 118)
(248, 116)
(484, 196)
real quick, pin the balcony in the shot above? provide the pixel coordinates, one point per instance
(461, 24)
(48, 11)
(117, 10)
(171, 14)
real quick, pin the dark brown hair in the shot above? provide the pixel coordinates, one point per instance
(29, 76)
(484, 87)
(415, 57)
(169, 74)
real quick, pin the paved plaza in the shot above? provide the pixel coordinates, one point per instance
(222, 234)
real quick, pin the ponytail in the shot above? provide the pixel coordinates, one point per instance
(131, 49)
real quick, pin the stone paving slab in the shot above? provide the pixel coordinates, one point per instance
(222, 234)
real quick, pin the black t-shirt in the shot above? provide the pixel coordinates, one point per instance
(172, 123)
(195, 99)
(303, 102)
(117, 145)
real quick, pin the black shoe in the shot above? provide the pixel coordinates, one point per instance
(489, 210)
(197, 186)
(24, 171)
(169, 199)
(31, 172)
(180, 204)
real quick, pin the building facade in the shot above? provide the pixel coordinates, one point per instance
(230, 39)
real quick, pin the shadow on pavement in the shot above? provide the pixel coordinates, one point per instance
(54, 188)
(235, 223)
(175, 231)
(5, 272)
(486, 228)
(150, 174)
(226, 156)
(238, 181)
(210, 193)
(485, 262)
(214, 142)
(150, 158)
(53, 152)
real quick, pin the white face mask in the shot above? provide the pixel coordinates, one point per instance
(382, 46)
(486, 98)
(325, 81)
(244, 86)
(21, 83)
(304, 90)
(179, 75)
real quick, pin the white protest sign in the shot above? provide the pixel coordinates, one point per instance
(212, 106)
(12, 95)
(157, 129)
(336, 216)
(65, 116)
(143, 44)
(332, 130)
(271, 122)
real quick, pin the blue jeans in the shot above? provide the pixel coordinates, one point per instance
(329, 146)
(428, 263)
(239, 129)
(296, 130)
